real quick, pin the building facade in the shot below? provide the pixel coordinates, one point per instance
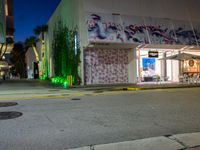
(6, 31)
(2, 22)
(9, 18)
(6, 20)
(117, 40)
(32, 61)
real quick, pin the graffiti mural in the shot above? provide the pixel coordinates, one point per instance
(105, 66)
(141, 30)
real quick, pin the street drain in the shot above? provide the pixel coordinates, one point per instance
(75, 99)
(9, 115)
(8, 104)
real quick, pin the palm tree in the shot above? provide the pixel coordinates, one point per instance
(40, 30)
(9, 41)
(31, 42)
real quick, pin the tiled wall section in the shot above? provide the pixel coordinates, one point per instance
(103, 66)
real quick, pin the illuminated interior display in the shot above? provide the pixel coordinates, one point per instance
(148, 66)
(191, 66)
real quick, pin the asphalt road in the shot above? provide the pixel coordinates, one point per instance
(59, 124)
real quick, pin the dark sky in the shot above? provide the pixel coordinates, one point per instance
(30, 13)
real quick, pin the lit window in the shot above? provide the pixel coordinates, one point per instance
(6, 8)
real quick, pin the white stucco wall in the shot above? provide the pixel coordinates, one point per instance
(30, 59)
(74, 13)
(39, 48)
(71, 13)
(173, 9)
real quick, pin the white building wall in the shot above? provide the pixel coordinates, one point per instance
(30, 58)
(132, 66)
(39, 49)
(71, 12)
(74, 12)
(173, 9)
(175, 71)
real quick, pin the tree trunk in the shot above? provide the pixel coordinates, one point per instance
(1, 48)
(3, 52)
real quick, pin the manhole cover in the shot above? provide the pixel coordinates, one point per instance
(9, 115)
(8, 104)
(75, 99)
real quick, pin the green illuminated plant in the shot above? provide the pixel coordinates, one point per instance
(66, 53)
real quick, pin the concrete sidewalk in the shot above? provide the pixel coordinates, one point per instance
(190, 141)
(133, 87)
(27, 89)
(40, 84)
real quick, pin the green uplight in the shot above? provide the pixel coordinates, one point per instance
(60, 81)
(43, 77)
(65, 84)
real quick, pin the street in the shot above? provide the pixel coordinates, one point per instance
(62, 122)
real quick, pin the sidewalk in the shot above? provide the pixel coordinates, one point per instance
(134, 87)
(40, 84)
(27, 89)
(190, 141)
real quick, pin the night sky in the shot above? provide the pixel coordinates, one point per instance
(30, 13)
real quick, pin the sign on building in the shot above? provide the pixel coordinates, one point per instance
(153, 54)
(2, 21)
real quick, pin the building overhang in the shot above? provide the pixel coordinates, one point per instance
(111, 45)
(161, 47)
(128, 46)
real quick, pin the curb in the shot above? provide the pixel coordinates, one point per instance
(132, 88)
(190, 141)
(153, 88)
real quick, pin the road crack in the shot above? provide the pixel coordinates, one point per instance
(51, 121)
(178, 141)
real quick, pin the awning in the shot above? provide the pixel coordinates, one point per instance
(111, 45)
